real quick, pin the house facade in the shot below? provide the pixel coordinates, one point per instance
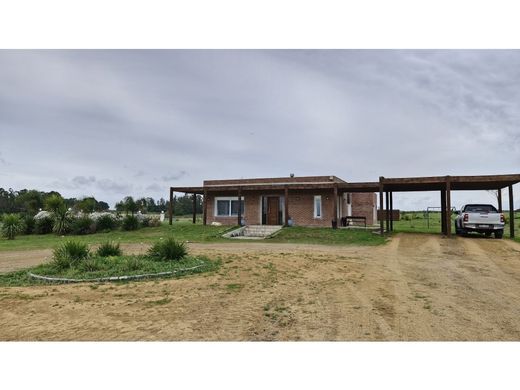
(292, 201)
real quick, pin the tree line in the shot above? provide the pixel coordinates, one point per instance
(31, 201)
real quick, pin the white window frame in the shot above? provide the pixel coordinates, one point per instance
(316, 216)
(229, 199)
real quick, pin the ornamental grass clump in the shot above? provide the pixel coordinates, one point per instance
(70, 254)
(109, 248)
(11, 226)
(168, 250)
(130, 222)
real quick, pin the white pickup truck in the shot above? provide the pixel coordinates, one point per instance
(480, 218)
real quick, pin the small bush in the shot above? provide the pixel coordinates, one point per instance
(109, 249)
(29, 224)
(150, 222)
(130, 222)
(83, 225)
(11, 226)
(91, 264)
(106, 223)
(168, 249)
(69, 254)
(132, 263)
(43, 225)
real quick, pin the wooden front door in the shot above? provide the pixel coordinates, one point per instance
(273, 210)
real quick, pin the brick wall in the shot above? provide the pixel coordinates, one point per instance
(363, 204)
(301, 208)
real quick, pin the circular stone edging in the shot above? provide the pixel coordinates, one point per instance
(111, 278)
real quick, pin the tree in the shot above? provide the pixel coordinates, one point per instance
(130, 205)
(102, 206)
(87, 205)
(56, 204)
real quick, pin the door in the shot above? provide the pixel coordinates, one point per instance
(273, 210)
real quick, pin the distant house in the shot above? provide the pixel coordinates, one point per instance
(298, 201)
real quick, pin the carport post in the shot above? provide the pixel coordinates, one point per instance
(194, 207)
(391, 211)
(205, 208)
(443, 211)
(511, 213)
(335, 205)
(239, 206)
(381, 227)
(448, 206)
(387, 200)
(286, 205)
(499, 198)
(170, 207)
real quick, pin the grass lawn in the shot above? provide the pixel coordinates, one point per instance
(327, 236)
(186, 231)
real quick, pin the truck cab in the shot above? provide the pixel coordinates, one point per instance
(480, 218)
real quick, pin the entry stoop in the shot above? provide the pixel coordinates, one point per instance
(254, 232)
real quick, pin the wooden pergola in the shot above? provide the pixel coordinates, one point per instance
(445, 185)
(385, 186)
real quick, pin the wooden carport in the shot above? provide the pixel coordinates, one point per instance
(446, 184)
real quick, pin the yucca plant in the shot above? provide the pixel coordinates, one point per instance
(69, 254)
(168, 249)
(11, 226)
(61, 215)
(109, 249)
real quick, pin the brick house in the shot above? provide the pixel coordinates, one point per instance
(297, 201)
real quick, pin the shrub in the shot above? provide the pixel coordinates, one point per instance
(168, 249)
(43, 225)
(30, 224)
(69, 254)
(150, 222)
(105, 223)
(11, 226)
(109, 249)
(132, 263)
(130, 222)
(83, 225)
(91, 264)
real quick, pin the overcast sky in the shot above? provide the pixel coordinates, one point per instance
(116, 123)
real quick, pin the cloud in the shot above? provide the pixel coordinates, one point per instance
(174, 177)
(115, 120)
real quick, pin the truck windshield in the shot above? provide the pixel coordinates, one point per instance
(480, 208)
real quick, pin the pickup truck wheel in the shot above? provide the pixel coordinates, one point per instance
(488, 234)
(499, 233)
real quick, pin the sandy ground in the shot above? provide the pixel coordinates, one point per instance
(417, 287)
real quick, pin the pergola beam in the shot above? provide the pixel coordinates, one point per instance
(511, 213)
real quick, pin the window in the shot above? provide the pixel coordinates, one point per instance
(317, 206)
(227, 207)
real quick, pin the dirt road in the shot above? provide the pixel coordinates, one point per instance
(417, 287)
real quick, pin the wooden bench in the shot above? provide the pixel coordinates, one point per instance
(344, 220)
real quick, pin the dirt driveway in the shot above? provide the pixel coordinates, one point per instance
(417, 287)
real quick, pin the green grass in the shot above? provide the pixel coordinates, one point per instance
(100, 267)
(181, 231)
(327, 236)
(186, 231)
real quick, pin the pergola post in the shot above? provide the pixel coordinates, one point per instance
(170, 207)
(335, 211)
(511, 213)
(448, 206)
(239, 219)
(387, 212)
(194, 207)
(391, 211)
(499, 198)
(205, 208)
(443, 211)
(381, 210)
(286, 205)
